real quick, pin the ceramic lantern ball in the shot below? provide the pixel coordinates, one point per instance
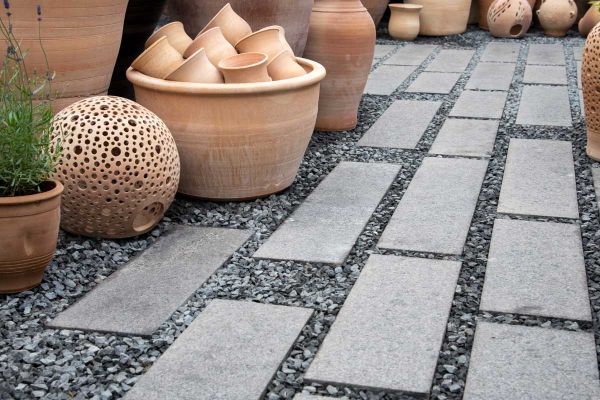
(119, 165)
(509, 18)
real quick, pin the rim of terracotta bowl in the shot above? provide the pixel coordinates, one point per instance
(153, 38)
(256, 59)
(215, 17)
(406, 6)
(32, 198)
(315, 75)
(268, 28)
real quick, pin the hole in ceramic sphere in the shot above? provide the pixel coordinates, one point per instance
(74, 118)
(82, 185)
(115, 151)
(138, 184)
(132, 122)
(148, 217)
(157, 148)
(104, 107)
(516, 30)
(78, 149)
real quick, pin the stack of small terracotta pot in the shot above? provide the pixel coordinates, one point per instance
(225, 51)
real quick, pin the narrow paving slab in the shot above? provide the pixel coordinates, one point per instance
(327, 224)
(579, 82)
(434, 82)
(596, 178)
(521, 362)
(451, 60)
(476, 104)
(545, 106)
(402, 125)
(546, 54)
(578, 53)
(386, 79)
(581, 104)
(491, 76)
(435, 213)
(382, 50)
(536, 268)
(411, 54)
(466, 137)
(539, 179)
(501, 52)
(140, 296)
(548, 74)
(389, 331)
(230, 352)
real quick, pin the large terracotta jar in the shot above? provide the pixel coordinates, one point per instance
(81, 39)
(589, 20)
(442, 18)
(509, 18)
(342, 38)
(590, 76)
(292, 15)
(484, 7)
(557, 16)
(376, 8)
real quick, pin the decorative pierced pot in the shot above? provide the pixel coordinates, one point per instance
(119, 166)
(590, 76)
(509, 18)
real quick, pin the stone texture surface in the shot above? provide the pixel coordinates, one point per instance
(389, 332)
(302, 396)
(325, 227)
(579, 83)
(520, 362)
(230, 352)
(549, 74)
(581, 104)
(411, 54)
(434, 82)
(402, 125)
(536, 268)
(578, 53)
(501, 52)
(475, 104)
(546, 54)
(435, 213)
(140, 296)
(451, 60)
(545, 106)
(386, 79)
(539, 179)
(491, 76)
(466, 137)
(382, 50)
(596, 177)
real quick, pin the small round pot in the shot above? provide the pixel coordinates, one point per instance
(442, 18)
(245, 68)
(509, 18)
(589, 20)
(159, 60)
(557, 16)
(176, 35)
(197, 69)
(214, 43)
(234, 27)
(267, 40)
(404, 21)
(284, 66)
(28, 235)
(238, 141)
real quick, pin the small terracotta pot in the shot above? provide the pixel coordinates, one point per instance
(404, 21)
(284, 66)
(376, 8)
(196, 68)
(557, 16)
(245, 68)
(176, 35)
(589, 20)
(234, 27)
(509, 18)
(214, 43)
(158, 60)
(484, 8)
(269, 40)
(442, 18)
(590, 78)
(28, 234)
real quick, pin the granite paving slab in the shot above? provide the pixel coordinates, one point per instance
(596, 178)
(466, 137)
(476, 104)
(451, 60)
(386, 79)
(434, 82)
(411, 54)
(491, 76)
(325, 227)
(435, 213)
(579, 82)
(390, 329)
(382, 50)
(544, 106)
(546, 54)
(140, 296)
(581, 103)
(548, 74)
(539, 179)
(523, 362)
(578, 53)
(536, 268)
(230, 352)
(402, 125)
(501, 52)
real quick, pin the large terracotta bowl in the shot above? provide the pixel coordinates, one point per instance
(236, 141)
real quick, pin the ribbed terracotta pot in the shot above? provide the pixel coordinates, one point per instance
(509, 18)
(293, 15)
(589, 20)
(590, 77)
(442, 18)
(28, 235)
(376, 9)
(342, 38)
(80, 37)
(557, 16)
(236, 141)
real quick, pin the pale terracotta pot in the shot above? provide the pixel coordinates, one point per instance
(197, 68)
(284, 66)
(590, 77)
(268, 40)
(442, 18)
(509, 18)
(233, 26)
(484, 8)
(589, 20)
(159, 60)
(404, 21)
(28, 234)
(245, 68)
(176, 35)
(214, 43)
(237, 141)
(376, 9)
(342, 38)
(557, 16)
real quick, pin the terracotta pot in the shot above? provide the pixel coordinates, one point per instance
(233, 26)
(442, 18)
(237, 141)
(28, 235)
(342, 38)
(293, 15)
(484, 8)
(589, 20)
(214, 43)
(509, 18)
(245, 68)
(176, 35)
(376, 9)
(197, 68)
(159, 60)
(557, 16)
(267, 40)
(590, 77)
(80, 37)
(284, 66)
(404, 21)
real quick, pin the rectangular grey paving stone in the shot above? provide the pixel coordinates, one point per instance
(451, 60)
(491, 76)
(544, 106)
(501, 52)
(539, 179)
(325, 227)
(596, 178)
(476, 104)
(581, 103)
(466, 137)
(578, 53)
(382, 50)
(411, 54)
(139, 297)
(536, 268)
(402, 125)
(579, 83)
(230, 352)
(435, 213)
(434, 82)
(522, 362)
(386, 79)
(388, 334)
(546, 54)
(549, 74)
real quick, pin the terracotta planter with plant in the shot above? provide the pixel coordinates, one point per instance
(442, 18)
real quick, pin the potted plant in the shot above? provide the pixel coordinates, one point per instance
(29, 198)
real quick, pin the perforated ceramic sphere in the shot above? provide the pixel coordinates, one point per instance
(119, 165)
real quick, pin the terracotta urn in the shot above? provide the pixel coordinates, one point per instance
(284, 66)
(509, 18)
(342, 38)
(404, 21)
(176, 35)
(292, 15)
(268, 40)
(376, 9)
(159, 60)
(590, 77)
(236, 141)
(196, 68)
(484, 8)
(214, 43)
(589, 20)
(442, 18)
(28, 235)
(557, 16)
(233, 26)
(245, 68)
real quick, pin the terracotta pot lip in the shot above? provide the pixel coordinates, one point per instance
(268, 28)
(315, 76)
(228, 5)
(333, 9)
(152, 39)
(207, 31)
(263, 59)
(414, 7)
(33, 198)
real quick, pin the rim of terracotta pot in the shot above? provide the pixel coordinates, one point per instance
(334, 8)
(265, 29)
(411, 7)
(160, 32)
(315, 75)
(215, 17)
(256, 59)
(33, 198)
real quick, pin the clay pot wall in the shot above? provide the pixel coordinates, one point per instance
(376, 9)
(589, 20)
(557, 16)
(442, 18)
(509, 18)
(590, 76)
(404, 21)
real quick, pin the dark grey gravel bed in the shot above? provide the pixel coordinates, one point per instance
(36, 362)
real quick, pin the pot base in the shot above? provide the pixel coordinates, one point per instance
(15, 282)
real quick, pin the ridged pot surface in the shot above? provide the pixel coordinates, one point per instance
(376, 9)
(442, 18)
(590, 77)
